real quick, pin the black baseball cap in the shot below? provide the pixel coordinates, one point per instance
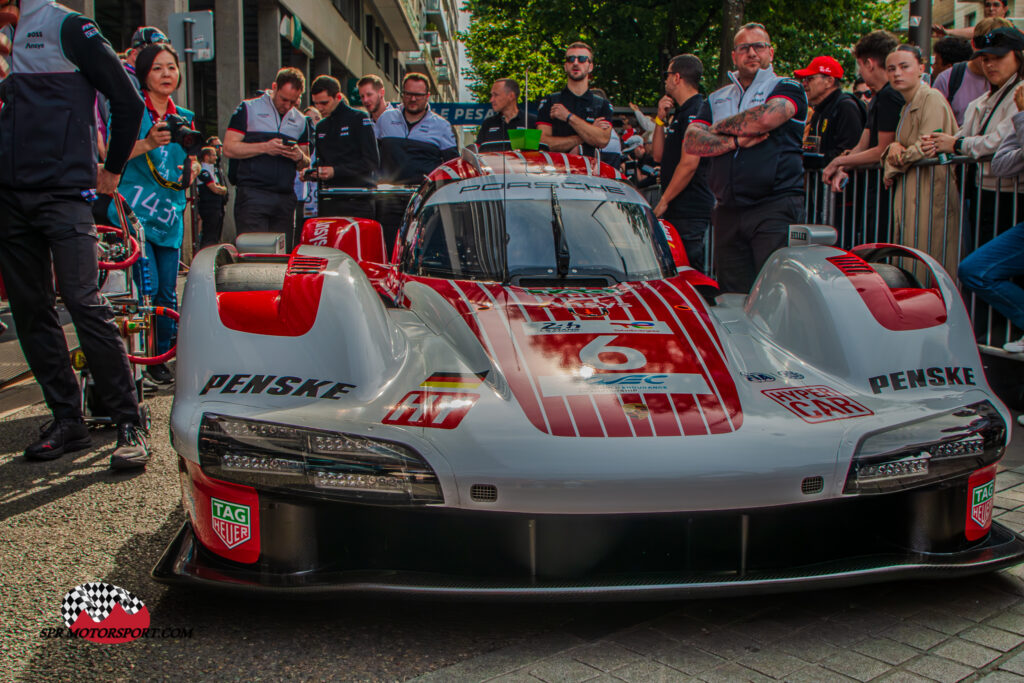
(998, 42)
(148, 35)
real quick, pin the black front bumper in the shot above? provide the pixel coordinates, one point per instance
(185, 562)
(315, 546)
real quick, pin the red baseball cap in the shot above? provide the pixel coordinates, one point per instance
(821, 65)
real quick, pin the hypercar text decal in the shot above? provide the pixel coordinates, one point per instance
(921, 378)
(273, 385)
(817, 404)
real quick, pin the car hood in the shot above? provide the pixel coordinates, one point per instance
(636, 359)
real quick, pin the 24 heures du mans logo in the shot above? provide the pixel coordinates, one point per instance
(104, 613)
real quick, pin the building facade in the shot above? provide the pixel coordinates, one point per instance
(253, 39)
(344, 38)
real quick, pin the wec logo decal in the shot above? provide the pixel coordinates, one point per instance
(230, 521)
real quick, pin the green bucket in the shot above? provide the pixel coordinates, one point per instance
(524, 138)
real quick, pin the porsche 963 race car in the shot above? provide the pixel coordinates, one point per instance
(531, 397)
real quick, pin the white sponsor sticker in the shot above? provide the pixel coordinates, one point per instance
(624, 383)
(597, 327)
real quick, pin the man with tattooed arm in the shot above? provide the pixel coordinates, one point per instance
(753, 130)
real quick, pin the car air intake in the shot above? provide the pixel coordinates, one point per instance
(483, 493)
(811, 485)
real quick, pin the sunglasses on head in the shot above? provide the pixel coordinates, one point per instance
(582, 59)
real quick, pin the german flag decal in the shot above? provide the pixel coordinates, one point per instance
(453, 380)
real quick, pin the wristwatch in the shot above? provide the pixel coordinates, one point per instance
(567, 118)
(658, 121)
(958, 146)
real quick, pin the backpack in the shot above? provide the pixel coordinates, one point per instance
(956, 78)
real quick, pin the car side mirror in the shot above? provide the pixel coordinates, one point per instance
(805, 234)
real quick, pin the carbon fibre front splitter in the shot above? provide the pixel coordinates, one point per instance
(185, 563)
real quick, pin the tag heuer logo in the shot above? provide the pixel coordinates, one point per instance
(981, 503)
(230, 522)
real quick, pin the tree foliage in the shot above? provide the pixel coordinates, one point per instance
(634, 39)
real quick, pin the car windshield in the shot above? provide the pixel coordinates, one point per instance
(522, 228)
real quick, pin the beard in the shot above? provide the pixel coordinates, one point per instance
(580, 77)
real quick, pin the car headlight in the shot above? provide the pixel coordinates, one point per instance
(936, 449)
(324, 464)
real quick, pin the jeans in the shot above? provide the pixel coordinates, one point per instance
(987, 272)
(163, 274)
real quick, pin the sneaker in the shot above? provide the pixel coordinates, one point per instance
(160, 374)
(1014, 346)
(57, 438)
(132, 450)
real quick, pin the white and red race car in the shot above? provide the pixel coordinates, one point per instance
(531, 397)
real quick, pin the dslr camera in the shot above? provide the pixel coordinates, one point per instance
(184, 135)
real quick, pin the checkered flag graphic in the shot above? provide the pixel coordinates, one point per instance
(98, 600)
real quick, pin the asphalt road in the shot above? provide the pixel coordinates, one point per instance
(71, 521)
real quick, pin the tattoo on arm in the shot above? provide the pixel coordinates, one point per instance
(758, 120)
(701, 141)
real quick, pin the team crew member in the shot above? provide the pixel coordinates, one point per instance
(46, 226)
(413, 142)
(371, 94)
(753, 129)
(346, 149)
(268, 139)
(576, 117)
(213, 196)
(505, 103)
(686, 199)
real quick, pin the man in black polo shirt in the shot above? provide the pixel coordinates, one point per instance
(686, 200)
(346, 149)
(575, 117)
(505, 103)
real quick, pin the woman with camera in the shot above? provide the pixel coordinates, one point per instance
(154, 183)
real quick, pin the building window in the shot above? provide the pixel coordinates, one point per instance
(350, 11)
(368, 36)
(971, 18)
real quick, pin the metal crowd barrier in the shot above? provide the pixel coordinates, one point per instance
(983, 206)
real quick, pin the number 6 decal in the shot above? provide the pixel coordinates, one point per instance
(590, 354)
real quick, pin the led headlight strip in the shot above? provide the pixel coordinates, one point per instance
(332, 465)
(935, 449)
